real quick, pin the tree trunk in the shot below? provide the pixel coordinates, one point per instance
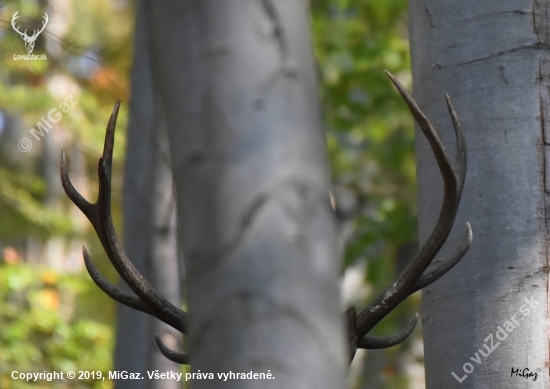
(489, 316)
(162, 261)
(237, 84)
(147, 229)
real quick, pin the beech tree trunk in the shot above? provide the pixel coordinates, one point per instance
(149, 229)
(487, 320)
(236, 81)
(132, 327)
(162, 261)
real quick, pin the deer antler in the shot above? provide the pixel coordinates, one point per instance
(413, 277)
(29, 40)
(13, 19)
(99, 214)
(24, 34)
(410, 281)
(38, 32)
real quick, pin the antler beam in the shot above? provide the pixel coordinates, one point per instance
(413, 278)
(99, 214)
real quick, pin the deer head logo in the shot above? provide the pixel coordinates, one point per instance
(29, 40)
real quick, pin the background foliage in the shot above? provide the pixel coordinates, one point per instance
(371, 145)
(52, 317)
(48, 313)
(49, 324)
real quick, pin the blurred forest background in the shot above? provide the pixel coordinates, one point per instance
(52, 316)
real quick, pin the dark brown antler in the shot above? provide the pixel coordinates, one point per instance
(413, 278)
(99, 214)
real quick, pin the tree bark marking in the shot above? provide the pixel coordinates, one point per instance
(540, 21)
(544, 80)
(278, 32)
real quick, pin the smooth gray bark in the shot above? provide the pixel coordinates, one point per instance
(237, 83)
(162, 261)
(148, 231)
(492, 58)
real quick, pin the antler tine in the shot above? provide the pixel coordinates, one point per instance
(37, 32)
(351, 320)
(374, 342)
(92, 210)
(85, 206)
(461, 161)
(89, 209)
(447, 264)
(174, 356)
(405, 284)
(13, 19)
(99, 215)
(109, 289)
(378, 342)
(163, 308)
(428, 129)
(46, 20)
(123, 297)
